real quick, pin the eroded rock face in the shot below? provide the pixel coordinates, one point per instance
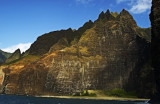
(108, 55)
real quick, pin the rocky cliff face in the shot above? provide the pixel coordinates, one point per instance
(155, 45)
(106, 54)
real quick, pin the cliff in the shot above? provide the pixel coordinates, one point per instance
(155, 46)
(4, 56)
(15, 56)
(106, 54)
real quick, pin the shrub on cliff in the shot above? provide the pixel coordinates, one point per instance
(118, 92)
(84, 93)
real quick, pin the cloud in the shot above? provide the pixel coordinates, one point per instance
(137, 6)
(22, 46)
(141, 6)
(84, 1)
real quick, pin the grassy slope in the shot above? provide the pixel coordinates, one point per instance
(24, 60)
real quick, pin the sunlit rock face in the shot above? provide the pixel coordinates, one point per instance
(107, 55)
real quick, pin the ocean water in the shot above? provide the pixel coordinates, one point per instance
(13, 99)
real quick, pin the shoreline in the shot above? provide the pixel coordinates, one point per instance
(97, 98)
(90, 98)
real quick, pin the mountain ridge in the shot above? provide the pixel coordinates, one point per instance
(15, 56)
(104, 55)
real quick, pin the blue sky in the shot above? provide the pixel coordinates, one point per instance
(22, 21)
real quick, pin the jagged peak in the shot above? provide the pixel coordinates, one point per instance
(88, 23)
(16, 55)
(107, 15)
(17, 51)
(101, 15)
(124, 12)
(107, 12)
(125, 16)
(69, 29)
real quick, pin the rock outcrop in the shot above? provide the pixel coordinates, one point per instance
(15, 56)
(106, 54)
(4, 56)
(155, 45)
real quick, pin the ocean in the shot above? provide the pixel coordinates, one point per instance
(14, 99)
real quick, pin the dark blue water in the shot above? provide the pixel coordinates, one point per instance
(13, 99)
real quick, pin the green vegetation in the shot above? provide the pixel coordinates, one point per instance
(24, 60)
(85, 93)
(12, 62)
(117, 92)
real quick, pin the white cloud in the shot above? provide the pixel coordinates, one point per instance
(141, 6)
(137, 6)
(22, 46)
(84, 1)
